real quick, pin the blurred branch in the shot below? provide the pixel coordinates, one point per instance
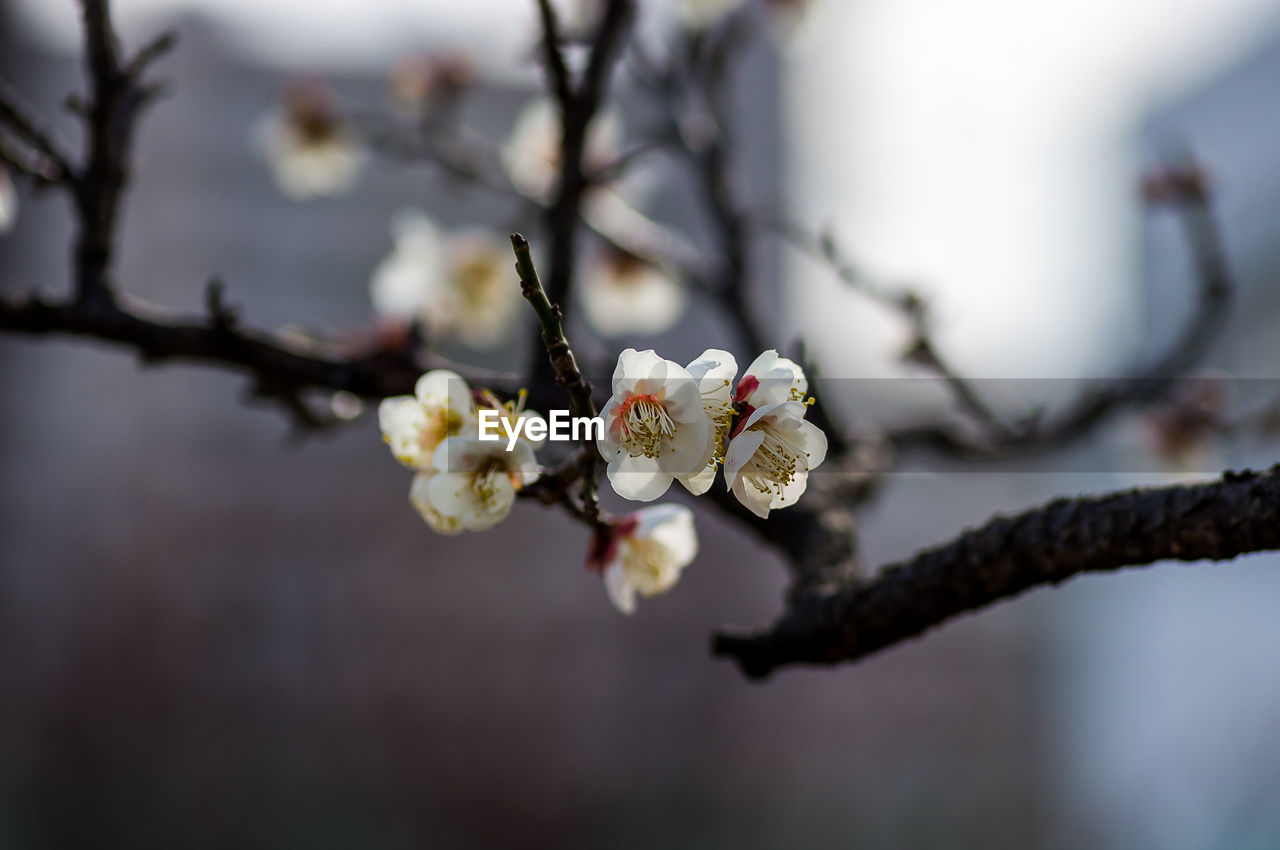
(1236, 515)
(1186, 194)
(578, 105)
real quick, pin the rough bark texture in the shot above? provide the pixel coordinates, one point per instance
(1237, 514)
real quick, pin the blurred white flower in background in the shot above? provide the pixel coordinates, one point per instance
(714, 370)
(422, 83)
(457, 284)
(701, 13)
(531, 154)
(772, 448)
(654, 425)
(622, 293)
(644, 553)
(414, 426)
(311, 152)
(476, 481)
(8, 202)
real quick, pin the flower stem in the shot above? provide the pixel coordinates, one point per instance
(568, 375)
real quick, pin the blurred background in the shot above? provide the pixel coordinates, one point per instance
(212, 635)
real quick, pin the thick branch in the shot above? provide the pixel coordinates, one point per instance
(1218, 521)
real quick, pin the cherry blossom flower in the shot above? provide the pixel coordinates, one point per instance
(772, 447)
(622, 293)
(312, 153)
(476, 481)
(714, 370)
(531, 155)
(8, 202)
(644, 553)
(458, 284)
(654, 426)
(415, 426)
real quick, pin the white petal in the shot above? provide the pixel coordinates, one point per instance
(814, 443)
(402, 421)
(680, 395)
(449, 493)
(522, 463)
(639, 479)
(420, 499)
(440, 387)
(794, 410)
(686, 451)
(791, 492)
(714, 370)
(740, 450)
(700, 481)
(778, 377)
(633, 366)
(671, 525)
(756, 501)
(619, 590)
(655, 376)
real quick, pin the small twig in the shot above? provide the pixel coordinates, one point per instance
(562, 361)
(27, 128)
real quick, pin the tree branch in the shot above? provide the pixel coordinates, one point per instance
(1238, 514)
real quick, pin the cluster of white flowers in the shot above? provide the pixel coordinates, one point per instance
(8, 202)
(462, 483)
(667, 422)
(455, 283)
(312, 153)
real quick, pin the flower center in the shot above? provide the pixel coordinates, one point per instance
(484, 482)
(776, 463)
(644, 423)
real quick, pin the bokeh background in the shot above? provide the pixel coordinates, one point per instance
(211, 635)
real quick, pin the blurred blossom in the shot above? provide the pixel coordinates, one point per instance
(476, 481)
(312, 153)
(8, 202)
(701, 13)
(644, 553)
(458, 284)
(622, 293)
(772, 447)
(345, 405)
(1183, 434)
(531, 155)
(714, 371)
(654, 425)
(415, 426)
(421, 84)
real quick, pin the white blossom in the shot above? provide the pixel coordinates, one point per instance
(531, 155)
(459, 283)
(772, 448)
(311, 152)
(476, 481)
(622, 293)
(8, 202)
(415, 426)
(654, 425)
(645, 552)
(714, 371)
